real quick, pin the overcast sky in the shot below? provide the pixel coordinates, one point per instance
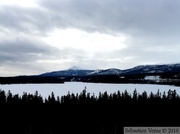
(38, 36)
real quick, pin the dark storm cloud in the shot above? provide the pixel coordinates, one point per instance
(154, 17)
(23, 51)
(137, 18)
(29, 20)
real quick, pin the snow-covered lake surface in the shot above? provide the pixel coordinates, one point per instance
(76, 87)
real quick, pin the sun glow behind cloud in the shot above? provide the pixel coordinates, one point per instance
(90, 42)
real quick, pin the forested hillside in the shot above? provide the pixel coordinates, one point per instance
(85, 113)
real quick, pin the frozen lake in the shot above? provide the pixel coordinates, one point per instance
(76, 87)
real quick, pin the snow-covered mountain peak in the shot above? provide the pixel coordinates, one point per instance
(75, 68)
(94, 71)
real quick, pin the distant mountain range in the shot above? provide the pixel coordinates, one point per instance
(138, 70)
(154, 74)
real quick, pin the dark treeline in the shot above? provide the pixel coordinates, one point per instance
(29, 79)
(84, 113)
(162, 78)
(165, 79)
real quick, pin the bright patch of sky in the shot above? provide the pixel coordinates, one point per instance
(90, 42)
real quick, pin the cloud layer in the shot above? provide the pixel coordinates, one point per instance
(91, 34)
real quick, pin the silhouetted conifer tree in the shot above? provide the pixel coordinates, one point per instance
(164, 95)
(144, 95)
(151, 96)
(174, 94)
(2, 97)
(9, 97)
(158, 94)
(169, 94)
(135, 95)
